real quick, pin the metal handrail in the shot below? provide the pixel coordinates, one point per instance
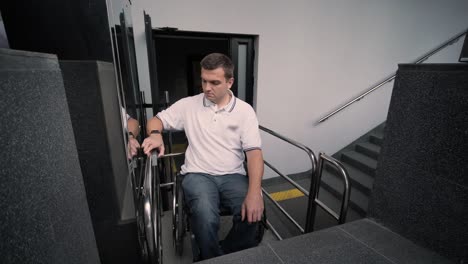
(392, 76)
(314, 186)
(341, 217)
(270, 226)
(311, 205)
(288, 216)
(292, 182)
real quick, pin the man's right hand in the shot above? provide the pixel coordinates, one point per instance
(154, 141)
(132, 147)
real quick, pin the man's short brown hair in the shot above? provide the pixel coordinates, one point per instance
(216, 60)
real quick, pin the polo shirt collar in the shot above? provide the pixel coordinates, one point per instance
(229, 107)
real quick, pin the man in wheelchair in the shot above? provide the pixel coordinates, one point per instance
(221, 130)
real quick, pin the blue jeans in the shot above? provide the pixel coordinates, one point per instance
(205, 194)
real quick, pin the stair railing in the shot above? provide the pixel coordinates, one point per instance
(341, 218)
(392, 76)
(312, 195)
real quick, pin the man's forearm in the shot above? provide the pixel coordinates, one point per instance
(154, 124)
(255, 170)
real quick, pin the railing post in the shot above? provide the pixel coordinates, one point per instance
(311, 205)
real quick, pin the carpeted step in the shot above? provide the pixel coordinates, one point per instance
(360, 161)
(334, 203)
(369, 149)
(358, 200)
(359, 179)
(376, 138)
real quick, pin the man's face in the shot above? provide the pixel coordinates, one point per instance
(215, 86)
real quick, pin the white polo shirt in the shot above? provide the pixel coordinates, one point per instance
(217, 137)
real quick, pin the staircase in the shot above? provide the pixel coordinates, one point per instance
(360, 160)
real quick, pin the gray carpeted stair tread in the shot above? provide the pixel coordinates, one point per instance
(358, 200)
(359, 179)
(360, 161)
(363, 241)
(393, 246)
(333, 203)
(369, 149)
(376, 138)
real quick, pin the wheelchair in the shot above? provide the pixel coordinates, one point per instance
(147, 187)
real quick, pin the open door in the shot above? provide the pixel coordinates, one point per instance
(129, 74)
(181, 52)
(242, 55)
(152, 63)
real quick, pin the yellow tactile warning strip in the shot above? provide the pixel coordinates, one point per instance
(286, 195)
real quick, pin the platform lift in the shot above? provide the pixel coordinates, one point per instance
(148, 188)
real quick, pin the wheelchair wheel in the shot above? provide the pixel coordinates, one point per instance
(141, 234)
(150, 202)
(157, 205)
(178, 222)
(137, 184)
(150, 234)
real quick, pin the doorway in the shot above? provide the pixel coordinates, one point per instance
(178, 56)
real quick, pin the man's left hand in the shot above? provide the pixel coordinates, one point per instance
(252, 208)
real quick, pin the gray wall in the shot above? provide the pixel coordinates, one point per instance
(44, 215)
(421, 184)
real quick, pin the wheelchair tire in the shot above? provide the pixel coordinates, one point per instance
(137, 184)
(156, 217)
(179, 218)
(141, 235)
(151, 208)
